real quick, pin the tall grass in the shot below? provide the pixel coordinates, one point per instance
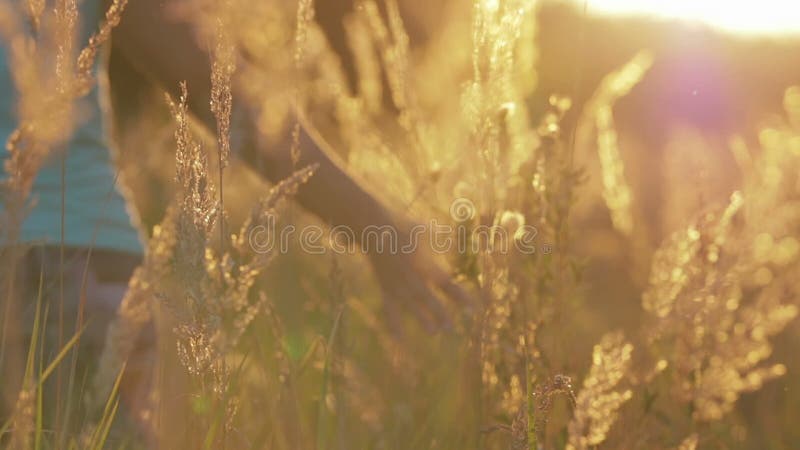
(260, 350)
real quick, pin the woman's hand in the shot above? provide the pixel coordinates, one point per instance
(414, 282)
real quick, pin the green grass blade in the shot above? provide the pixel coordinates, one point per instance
(100, 433)
(67, 347)
(321, 435)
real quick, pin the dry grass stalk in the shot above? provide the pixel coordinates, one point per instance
(598, 113)
(601, 397)
(207, 289)
(718, 335)
(690, 443)
(22, 423)
(305, 17)
(223, 65)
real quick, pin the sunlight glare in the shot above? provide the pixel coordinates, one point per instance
(751, 17)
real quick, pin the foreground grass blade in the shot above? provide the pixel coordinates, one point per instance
(100, 433)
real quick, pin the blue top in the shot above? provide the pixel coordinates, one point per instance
(95, 211)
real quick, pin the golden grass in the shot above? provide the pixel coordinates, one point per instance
(257, 351)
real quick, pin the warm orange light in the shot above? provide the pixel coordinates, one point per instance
(745, 16)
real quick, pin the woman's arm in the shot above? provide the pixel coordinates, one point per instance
(165, 49)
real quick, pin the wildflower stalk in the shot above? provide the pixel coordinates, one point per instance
(530, 378)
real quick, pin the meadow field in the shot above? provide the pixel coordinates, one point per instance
(607, 216)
